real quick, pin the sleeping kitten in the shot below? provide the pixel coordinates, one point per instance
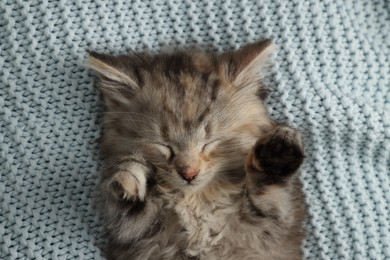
(194, 166)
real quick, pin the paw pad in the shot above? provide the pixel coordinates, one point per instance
(282, 154)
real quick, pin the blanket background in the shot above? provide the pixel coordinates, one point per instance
(331, 79)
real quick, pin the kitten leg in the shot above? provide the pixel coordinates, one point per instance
(272, 188)
(129, 206)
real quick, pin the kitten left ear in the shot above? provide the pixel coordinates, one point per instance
(245, 67)
(116, 79)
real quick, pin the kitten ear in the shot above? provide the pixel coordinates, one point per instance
(246, 66)
(114, 71)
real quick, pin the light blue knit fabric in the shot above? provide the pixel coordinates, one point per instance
(331, 80)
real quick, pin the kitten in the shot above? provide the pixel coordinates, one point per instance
(194, 166)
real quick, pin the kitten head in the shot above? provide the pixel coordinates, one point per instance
(191, 114)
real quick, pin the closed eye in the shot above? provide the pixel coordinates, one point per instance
(208, 147)
(166, 150)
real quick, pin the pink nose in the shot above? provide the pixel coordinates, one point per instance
(189, 174)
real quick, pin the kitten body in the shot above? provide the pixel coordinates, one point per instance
(194, 166)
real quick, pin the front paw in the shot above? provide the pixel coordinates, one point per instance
(278, 156)
(130, 183)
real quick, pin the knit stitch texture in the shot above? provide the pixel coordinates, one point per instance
(331, 79)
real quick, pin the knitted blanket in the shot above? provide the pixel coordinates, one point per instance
(331, 79)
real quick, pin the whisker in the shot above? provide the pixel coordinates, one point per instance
(130, 120)
(128, 112)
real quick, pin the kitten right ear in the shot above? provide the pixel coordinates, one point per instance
(245, 66)
(116, 82)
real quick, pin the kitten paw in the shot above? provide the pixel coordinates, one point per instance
(280, 155)
(131, 183)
